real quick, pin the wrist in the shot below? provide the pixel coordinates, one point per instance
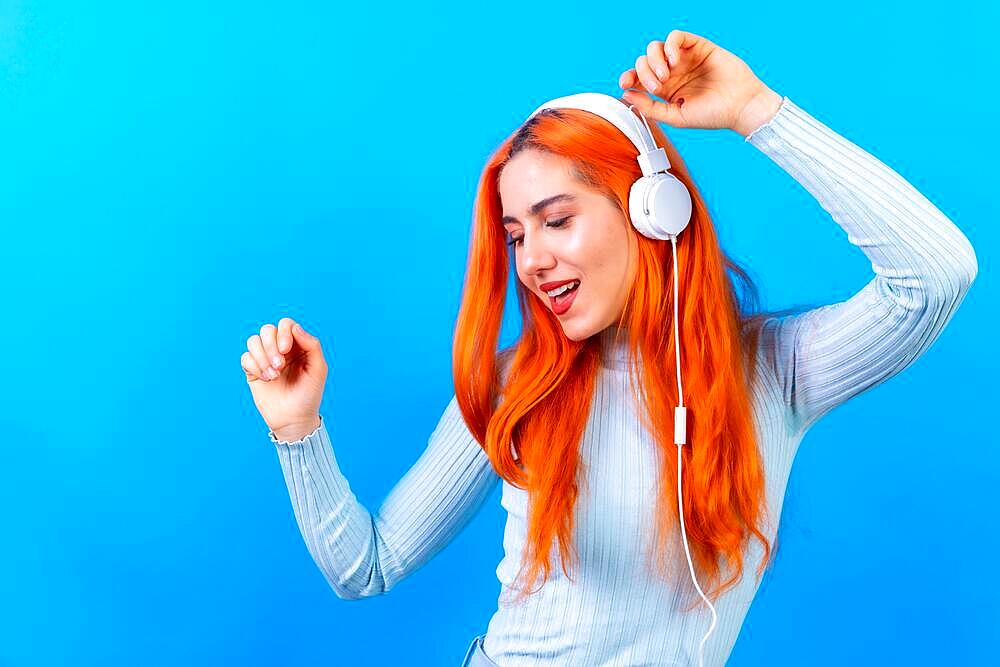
(760, 109)
(297, 430)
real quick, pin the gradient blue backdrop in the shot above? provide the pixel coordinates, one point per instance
(173, 177)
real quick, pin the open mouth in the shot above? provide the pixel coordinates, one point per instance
(564, 298)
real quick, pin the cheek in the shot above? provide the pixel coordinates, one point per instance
(585, 249)
(601, 254)
(524, 279)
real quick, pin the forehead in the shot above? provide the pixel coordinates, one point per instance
(531, 176)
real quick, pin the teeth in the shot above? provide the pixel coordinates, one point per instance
(559, 290)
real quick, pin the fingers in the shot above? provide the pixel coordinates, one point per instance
(654, 109)
(646, 76)
(250, 367)
(304, 338)
(677, 40)
(266, 351)
(656, 60)
(285, 335)
(256, 349)
(629, 79)
(642, 102)
(269, 338)
(654, 68)
(670, 46)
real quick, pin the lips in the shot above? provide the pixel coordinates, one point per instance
(546, 287)
(560, 304)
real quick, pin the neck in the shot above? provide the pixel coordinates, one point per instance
(614, 347)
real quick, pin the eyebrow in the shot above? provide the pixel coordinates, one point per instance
(537, 207)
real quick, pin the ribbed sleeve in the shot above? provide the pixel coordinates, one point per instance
(362, 554)
(923, 267)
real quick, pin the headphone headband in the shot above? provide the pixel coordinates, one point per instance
(659, 203)
(652, 159)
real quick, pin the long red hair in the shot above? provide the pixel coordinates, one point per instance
(535, 395)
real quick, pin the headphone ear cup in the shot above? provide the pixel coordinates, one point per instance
(637, 208)
(667, 201)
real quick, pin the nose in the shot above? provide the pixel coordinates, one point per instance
(535, 256)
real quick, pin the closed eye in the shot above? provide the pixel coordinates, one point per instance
(517, 241)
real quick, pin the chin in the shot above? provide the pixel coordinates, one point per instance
(578, 332)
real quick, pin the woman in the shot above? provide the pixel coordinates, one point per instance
(576, 418)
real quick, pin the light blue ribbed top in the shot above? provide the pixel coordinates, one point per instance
(618, 612)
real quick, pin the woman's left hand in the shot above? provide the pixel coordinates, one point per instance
(704, 86)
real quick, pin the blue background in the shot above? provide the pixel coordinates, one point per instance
(173, 177)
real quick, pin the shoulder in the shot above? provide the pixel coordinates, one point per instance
(762, 336)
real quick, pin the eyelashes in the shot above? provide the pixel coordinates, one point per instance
(511, 241)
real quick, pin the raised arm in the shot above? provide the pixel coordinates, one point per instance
(361, 554)
(923, 267)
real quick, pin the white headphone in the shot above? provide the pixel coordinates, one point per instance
(659, 204)
(660, 207)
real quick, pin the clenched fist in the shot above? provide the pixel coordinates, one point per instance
(286, 373)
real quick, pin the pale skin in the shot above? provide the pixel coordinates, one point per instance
(700, 85)
(683, 81)
(582, 238)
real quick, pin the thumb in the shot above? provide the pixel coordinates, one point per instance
(308, 342)
(655, 109)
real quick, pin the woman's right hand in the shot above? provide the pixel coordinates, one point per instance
(288, 399)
